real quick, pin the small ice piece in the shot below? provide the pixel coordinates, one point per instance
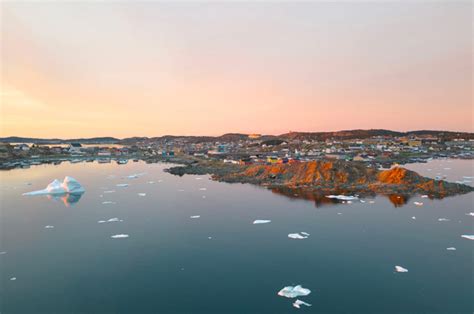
(3, 252)
(195, 217)
(339, 213)
(305, 234)
(467, 177)
(107, 202)
(400, 269)
(343, 197)
(48, 227)
(122, 185)
(180, 190)
(210, 238)
(110, 191)
(69, 185)
(447, 168)
(113, 220)
(13, 278)
(299, 303)
(362, 201)
(160, 180)
(470, 214)
(135, 175)
(451, 249)
(372, 202)
(418, 203)
(204, 196)
(414, 218)
(261, 221)
(198, 178)
(297, 236)
(202, 189)
(468, 236)
(293, 292)
(120, 236)
(424, 196)
(101, 221)
(151, 182)
(443, 219)
(141, 194)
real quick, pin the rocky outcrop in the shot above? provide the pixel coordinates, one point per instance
(324, 177)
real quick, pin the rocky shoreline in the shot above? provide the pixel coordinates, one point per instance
(326, 177)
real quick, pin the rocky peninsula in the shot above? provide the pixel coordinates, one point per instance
(325, 177)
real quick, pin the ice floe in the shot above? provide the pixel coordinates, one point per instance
(69, 185)
(107, 202)
(122, 185)
(470, 214)
(141, 194)
(48, 227)
(151, 182)
(299, 303)
(468, 236)
(400, 269)
(418, 203)
(202, 189)
(424, 196)
(195, 217)
(3, 252)
(298, 236)
(120, 236)
(443, 219)
(414, 218)
(13, 278)
(115, 219)
(261, 221)
(134, 176)
(293, 292)
(451, 248)
(343, 197)
(110, 191)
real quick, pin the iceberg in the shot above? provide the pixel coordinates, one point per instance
(424, 196)
(68, 186)
(299, 303)
(443, 219)
(414, 218)
(470, 214)
(141, 194)
(120, 236)
(418, 203)
(298, 236)
(195, 217)
(202, 189)
(451, 249)
(122, 185)
(293, 292)
(110, 191)
(13, 278)
(48, 227)
(261, 221)
(343, 197)
(468, 236)
(107, 202)
(400, 269)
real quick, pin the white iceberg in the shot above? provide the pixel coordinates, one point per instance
(443, 219)
(141, 194)
(3, 252)
(195, 217)
(120, 236)
(424, 196)
(122, 185)
(135, 175)
(451, 249)
(414, 218)
(418, 203)
(343, 197)
(13, 278)
(293, 292)
(261, 221)
(110, 191)
(470, 214)
(298, 236)
(468, 236)
(202, 189)
(299, 303)
(107, 202)
(151, 182)
(69, 185)
(48, 227)
(400, 269)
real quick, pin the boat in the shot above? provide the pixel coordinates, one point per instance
(74, 161)
(103, 161)
(122, 161)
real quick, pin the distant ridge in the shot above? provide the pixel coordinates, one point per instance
(318, 136)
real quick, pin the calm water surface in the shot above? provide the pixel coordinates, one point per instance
(170, 265)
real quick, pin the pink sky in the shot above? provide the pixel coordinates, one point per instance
(148, 69)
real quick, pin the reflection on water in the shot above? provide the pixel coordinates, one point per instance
(67, 199)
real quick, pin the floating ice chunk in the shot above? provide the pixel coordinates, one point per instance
(198, 178)
(120, 236)
(414, 218)
(293, 292)
(195, 217)
(204, 196)
(3, 252)
(443, 219)
(299, 303)
(160, 180)
(122, 185)
(110, 191)
(298, 236)
(371, 202)
(339, 213)
(418, 203)
(202, 189)
(343, 197)
(470, 214)
(141, 194)
(210, 238)
(447, 168)
(468, 236)
(101, 221)
(424, 196)
(261, 221)
(48, 227)
(304, 233)
(108, 202)
(113, 220)
(180, 190)
(467, 177)
(400, 269)
(451, 249)
(134, 176)
(362, 201)
(69, 185)
(151, 182)
(13, 278)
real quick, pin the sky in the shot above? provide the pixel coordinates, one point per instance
(127, 68)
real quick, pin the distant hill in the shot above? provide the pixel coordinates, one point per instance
(230, 137)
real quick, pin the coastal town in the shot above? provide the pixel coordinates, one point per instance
(378, 148)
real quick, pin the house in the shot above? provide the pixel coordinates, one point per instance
(23, 147)
(74, 147)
